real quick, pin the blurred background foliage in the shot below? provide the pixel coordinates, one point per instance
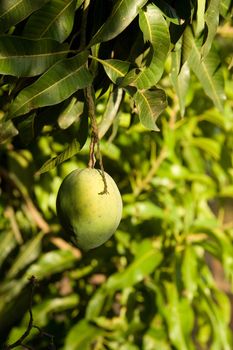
(165, 279)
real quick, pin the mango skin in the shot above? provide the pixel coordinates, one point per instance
(89, 216)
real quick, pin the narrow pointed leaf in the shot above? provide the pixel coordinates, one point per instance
(150, 104)
(144, 264)
(71, 113)
(180, 320)
(180, 79)
(54, 86)
(186, 45)
(7, 243)
(81, 336)
(29, 252)
(115, 69)
(14, 11)
(54, 20)
(208, 72)
(155, 31)
(23, 57)
(69, 152)
(123, 13)
(200, 25)
(212, 21)
(51, 263)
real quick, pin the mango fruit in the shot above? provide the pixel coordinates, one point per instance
(89, 211)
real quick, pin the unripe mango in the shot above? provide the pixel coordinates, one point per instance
(89, 212)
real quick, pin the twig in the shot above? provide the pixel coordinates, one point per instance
(94, 136)
(19, 342)
(84, 24)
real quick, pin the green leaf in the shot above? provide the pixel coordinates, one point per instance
(225, 6)
(96, 304)
(144, 210)
(150, 104)
(7, 130)
(28, 253)
(115, 69)
(14, 11)
(200, 24)
(209, 146)
(155, 31)
(54, 86)
(145, 262)
(70, 113)
(81, 336)
(44, 310)
(180, 79)
(179, 317)
(7, 243)
(190, 272)
(211, 21)
(69, 152)
(23, 57)
(208, 72)
(51, 263)
(54, 20)
(123, 13)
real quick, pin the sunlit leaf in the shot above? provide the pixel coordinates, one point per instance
(190, 272)
(54, 20)
(71, 113)
(51, 263)
(179, 318)
(155, 31)
(23, 57)
(81, 336)
(54, 86)
(115, 69)
(144, 263)
(150, 104)
(180, 79)
(212, 147)
(200, 25)
(211, 21)
(208, 72)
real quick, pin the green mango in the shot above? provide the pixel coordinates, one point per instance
(89, 207)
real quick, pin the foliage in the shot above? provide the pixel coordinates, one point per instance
(161, 80)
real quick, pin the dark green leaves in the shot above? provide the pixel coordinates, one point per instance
(150, 103)
(123, 13)
(23, 57)
(54, 86)
(14, 11)
(54, 20)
